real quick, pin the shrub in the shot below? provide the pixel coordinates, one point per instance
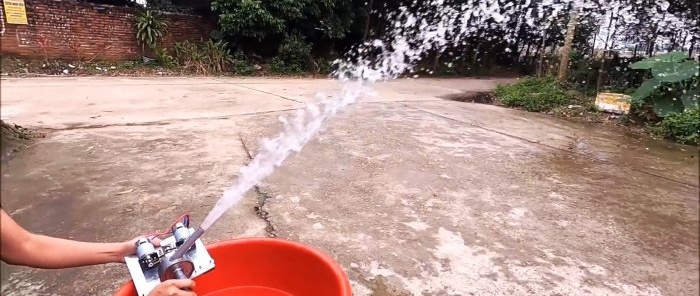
(241, 64)
(532, 94)
(323, 66)
(292, 56)
(164, 59)
(682, 127)
(149, 28)
(203, 57)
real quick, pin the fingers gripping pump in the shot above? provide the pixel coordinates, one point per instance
(181, 255)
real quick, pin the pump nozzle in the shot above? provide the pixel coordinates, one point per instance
(187, 245)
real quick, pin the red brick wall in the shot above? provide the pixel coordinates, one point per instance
(67, 29)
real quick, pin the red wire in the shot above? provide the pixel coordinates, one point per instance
(167, 231)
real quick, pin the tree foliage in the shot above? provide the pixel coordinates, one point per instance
(258, 19)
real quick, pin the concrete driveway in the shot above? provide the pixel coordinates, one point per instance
(412, 194)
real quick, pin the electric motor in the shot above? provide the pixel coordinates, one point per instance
(181, 233)
(146, 252)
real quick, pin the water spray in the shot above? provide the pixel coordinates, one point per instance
(182, 254)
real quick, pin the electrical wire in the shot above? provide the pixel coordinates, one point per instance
(184, 218)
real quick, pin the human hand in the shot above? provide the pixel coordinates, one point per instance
(129, 247)
(174, 288)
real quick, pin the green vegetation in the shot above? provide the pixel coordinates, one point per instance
(667, 99)
(670, 95)
(303, 36)
(674, 85)
(682, 127)
(163, 58)
(241, 65)
(149, 29)
(205, 57)
(292, 57)
(533, 94)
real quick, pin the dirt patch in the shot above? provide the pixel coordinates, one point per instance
(380, 287)
(15, 67)
(20, 67)
(14, 137)
(474, 97)
(587, 113)
(580, 109)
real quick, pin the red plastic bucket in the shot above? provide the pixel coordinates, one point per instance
(267, 267)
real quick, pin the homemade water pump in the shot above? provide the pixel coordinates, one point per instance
(181, 255)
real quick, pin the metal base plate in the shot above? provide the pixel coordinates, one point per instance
(146, 281)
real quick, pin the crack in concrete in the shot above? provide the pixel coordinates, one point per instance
(262, 91)
(551, 147)
(262, 199)
(160, 122)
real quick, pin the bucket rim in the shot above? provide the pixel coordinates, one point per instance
(341, 277)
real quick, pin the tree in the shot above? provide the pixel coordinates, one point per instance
(566, 51)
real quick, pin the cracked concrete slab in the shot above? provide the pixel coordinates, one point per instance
(94, 102)
(412, 196)
(420, 204)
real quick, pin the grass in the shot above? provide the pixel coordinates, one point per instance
(533, 94)
(682, 127)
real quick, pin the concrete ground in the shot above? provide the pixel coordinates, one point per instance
(412, 194)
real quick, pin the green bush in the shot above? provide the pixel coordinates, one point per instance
(241, 65)
(682, 127)
(164, 59)
(292, 56)
(205, 57)
(532, 94)
(323, 66)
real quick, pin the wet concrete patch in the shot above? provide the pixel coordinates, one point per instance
(427, 204)
(677, 163)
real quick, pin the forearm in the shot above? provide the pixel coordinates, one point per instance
(20, 247)
(50, 252)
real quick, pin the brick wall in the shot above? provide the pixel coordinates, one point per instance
(68, 30)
